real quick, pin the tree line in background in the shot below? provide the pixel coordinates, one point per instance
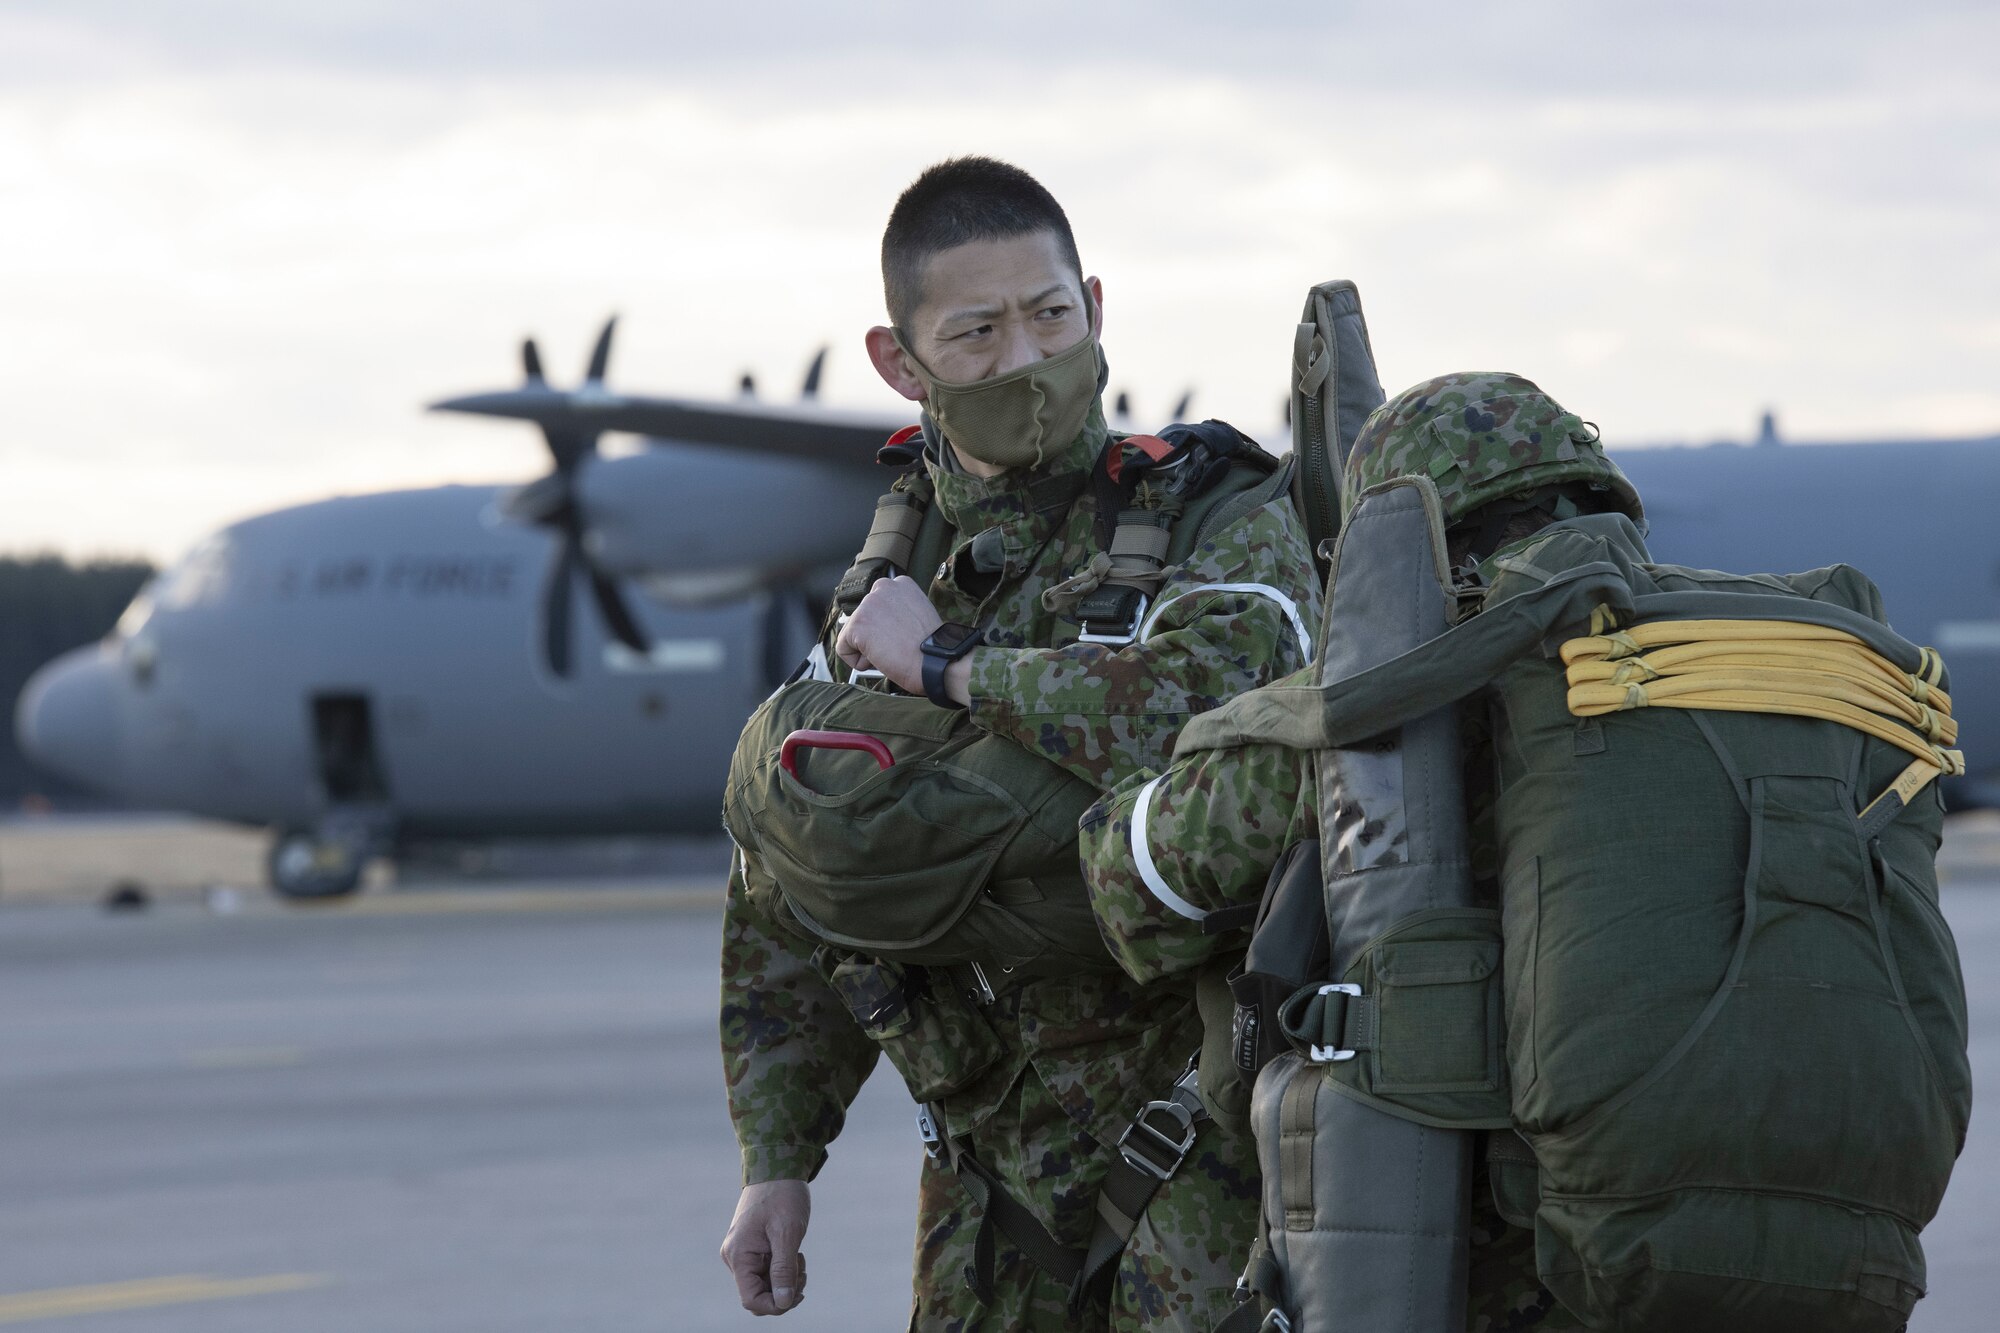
(47, 607)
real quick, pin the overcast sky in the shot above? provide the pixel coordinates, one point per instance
(244, 243)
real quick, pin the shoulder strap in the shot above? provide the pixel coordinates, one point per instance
(1203, 477)
(901, 519)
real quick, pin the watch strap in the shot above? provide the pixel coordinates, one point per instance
(936, 661)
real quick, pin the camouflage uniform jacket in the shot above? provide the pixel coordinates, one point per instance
(1100, 1043)
(1161, 853)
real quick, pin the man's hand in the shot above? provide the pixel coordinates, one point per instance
(762, 1247)
(887, 632)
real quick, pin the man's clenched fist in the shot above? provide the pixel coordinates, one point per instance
(762, 1247)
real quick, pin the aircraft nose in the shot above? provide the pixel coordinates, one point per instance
(67, 719)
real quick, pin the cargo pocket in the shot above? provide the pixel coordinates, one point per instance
(1811, 844)
(1440, 1027)
(939, 1044)
(1428, 1026)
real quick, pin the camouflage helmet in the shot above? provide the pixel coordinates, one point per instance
(1481, 436)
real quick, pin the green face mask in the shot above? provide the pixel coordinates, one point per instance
(1022, 417)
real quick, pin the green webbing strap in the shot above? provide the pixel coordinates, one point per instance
(1260, 1292)
(1149, 1153)
(1324, 1023)
(998, 1208)
(1439, 672)
(1297, 1116)
(903, 517)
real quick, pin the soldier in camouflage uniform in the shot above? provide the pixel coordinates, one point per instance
(1041, 1079)
(1503, 457)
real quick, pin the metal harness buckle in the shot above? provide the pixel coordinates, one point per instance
(1275, 1322)
(1183, 1106)
(1331, 1055)
(927, 1130)
(1118, 639)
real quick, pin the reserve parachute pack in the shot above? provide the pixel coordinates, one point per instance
(887, 826)
(1717, 1027)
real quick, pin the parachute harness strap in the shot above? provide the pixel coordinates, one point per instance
(1771, 666)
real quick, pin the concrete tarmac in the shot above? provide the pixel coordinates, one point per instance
(483, 1110)
(489, 1110)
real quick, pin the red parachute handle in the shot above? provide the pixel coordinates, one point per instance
(830, 740)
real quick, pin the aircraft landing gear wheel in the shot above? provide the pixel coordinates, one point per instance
(304, 865)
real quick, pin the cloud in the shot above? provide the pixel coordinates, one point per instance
(247, 242)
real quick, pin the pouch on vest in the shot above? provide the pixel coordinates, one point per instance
(938, 1043)
(938, 844)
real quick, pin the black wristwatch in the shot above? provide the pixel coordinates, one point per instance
(947, 643)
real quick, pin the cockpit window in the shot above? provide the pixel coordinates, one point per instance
(197, 577)
(138, 613)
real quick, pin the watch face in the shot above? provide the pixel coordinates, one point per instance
(951, 638)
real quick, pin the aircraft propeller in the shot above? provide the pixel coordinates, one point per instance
(809, 391)
(551, 501)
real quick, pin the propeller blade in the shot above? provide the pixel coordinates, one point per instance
(617, 615)
(555, 606)
(600, 355)
(531, 363)
(811, 389)
(1181, 408)
(569, 444)
(539, 501)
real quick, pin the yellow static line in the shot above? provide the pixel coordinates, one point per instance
(61, 1302)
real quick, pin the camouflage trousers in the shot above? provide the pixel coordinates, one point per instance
(1176, 1274)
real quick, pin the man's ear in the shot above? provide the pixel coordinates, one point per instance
(892, 365)
(1096, 289)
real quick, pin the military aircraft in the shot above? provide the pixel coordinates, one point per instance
(370, 671)
(365, 673)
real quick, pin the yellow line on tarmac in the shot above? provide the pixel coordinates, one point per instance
(61, 1302)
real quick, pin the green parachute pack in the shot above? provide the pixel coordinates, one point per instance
(884, 825)
(1716, 1027)
(900, 830)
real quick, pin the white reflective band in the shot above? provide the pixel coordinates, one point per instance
(1142, 856)
(1286, 604)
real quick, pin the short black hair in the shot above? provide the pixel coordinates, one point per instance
(959, 200)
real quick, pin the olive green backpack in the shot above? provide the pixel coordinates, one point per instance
(1734, 1019)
